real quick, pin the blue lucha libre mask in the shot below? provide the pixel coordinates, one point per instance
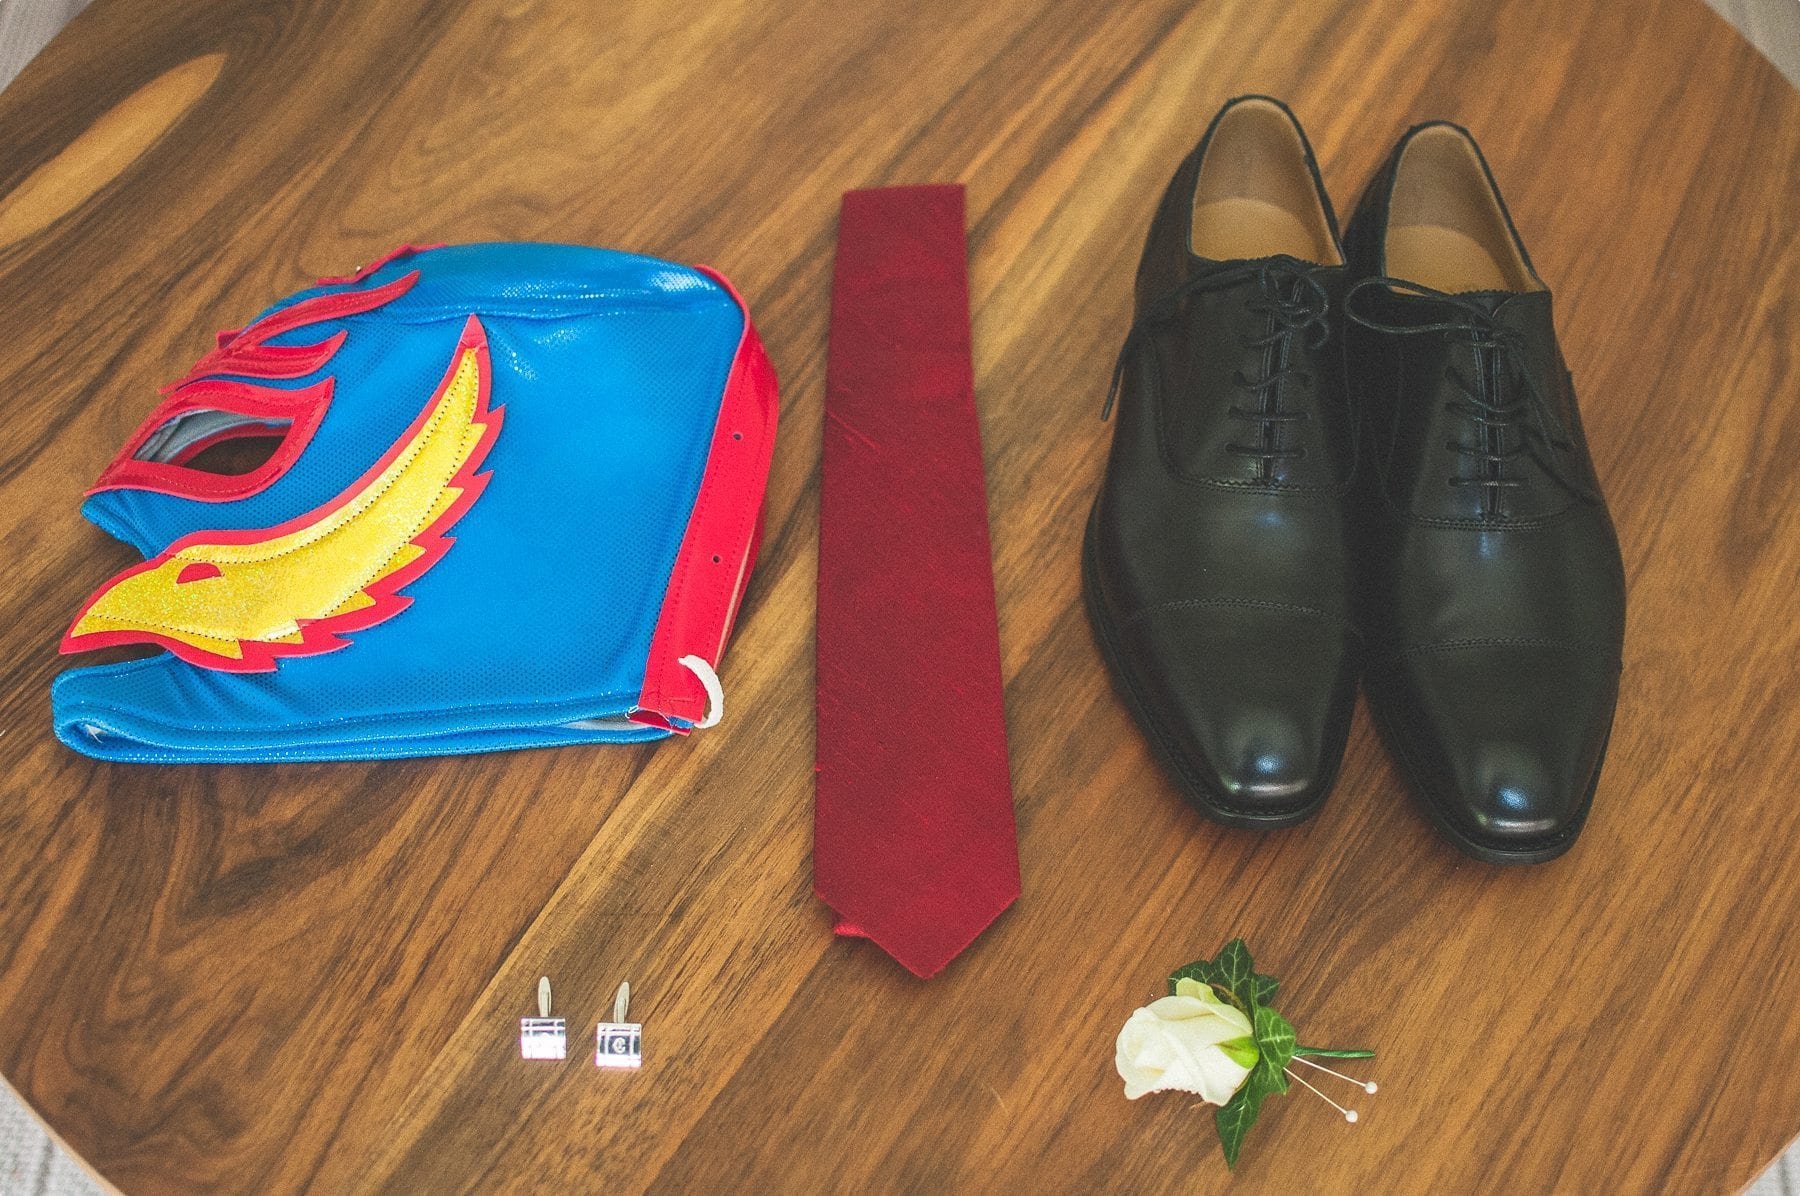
(513, 500)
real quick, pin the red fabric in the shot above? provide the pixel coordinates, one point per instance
(244, 354)
(914, 844)
(718, 550)
(392, 255)
(297, 414)
(247, 351)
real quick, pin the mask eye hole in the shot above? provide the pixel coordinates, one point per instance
(215, 442)
(196, 571)
(233, 456)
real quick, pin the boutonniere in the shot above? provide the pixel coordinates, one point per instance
(1215, 1035)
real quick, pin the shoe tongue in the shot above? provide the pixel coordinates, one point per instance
(1246, 277)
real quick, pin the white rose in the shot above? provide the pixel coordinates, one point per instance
(1191, 1042)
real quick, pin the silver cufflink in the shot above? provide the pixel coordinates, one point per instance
(619, 1043)
(543, 1036)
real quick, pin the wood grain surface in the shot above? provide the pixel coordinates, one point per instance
(268, 979)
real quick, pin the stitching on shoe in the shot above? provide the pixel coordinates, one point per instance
(1180, 604)
(1591, 647)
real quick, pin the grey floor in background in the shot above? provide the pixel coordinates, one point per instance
(1772, 26)
(32, 1165)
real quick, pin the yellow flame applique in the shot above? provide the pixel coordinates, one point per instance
(240, 600)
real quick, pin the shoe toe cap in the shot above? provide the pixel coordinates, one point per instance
(1253, 704)
(1261, 758)
(1509, 794)
(1505, 743)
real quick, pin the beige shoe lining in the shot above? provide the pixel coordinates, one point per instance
(1445, 227)
(1254, 196)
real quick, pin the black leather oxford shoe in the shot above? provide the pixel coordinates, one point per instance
(1494, 594)
(1215, 567)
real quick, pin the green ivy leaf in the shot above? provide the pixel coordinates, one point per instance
(1237, 972)
(1201, 970)
(1212, 975)
(1275, 1048)
(1237, 1115)
(1265, 989)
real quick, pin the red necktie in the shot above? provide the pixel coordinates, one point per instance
(914, 844)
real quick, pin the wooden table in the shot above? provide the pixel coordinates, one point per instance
(273, 978)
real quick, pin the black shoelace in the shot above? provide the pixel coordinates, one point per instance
(1296, 303)
(1503, 400)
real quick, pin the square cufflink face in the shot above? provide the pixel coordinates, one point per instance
(543, 1038)
(619, 1044)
